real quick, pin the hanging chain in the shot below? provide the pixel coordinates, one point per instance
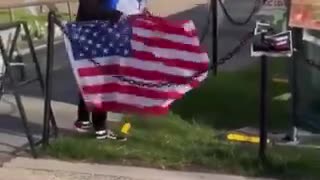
(256, 7)
(245, 40)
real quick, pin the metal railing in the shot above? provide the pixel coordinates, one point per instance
(7, 58)
(52, 21)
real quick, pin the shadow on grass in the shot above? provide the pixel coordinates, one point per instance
(231, 100)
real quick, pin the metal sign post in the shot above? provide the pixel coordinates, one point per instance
(298, 54)
(268, 43)
(264, 95)
(263, 106)
(214, 10)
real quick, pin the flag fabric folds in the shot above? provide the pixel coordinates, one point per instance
(114, 63)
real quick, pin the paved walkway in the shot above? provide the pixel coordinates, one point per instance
(30, 169)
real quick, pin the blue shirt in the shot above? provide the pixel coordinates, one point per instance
(110, 4)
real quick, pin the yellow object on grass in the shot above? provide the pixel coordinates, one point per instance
(127, 125)
(244, 138)
(126, 128)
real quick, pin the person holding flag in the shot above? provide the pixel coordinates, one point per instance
(111, 10)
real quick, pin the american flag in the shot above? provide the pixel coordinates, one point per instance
(144, 49)
(280, 42)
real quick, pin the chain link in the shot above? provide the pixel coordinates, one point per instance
(188, 80)
(256, 7)
(244, 41)
(144, 84)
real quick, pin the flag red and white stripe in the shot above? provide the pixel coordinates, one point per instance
(162, 51)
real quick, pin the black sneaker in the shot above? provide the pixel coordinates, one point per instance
(82, 126)
(101, 134)
(113, 136)
(108, 134)
(121, 138)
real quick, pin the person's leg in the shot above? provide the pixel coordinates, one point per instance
(83, 123)
(99, 121)
(99, 124)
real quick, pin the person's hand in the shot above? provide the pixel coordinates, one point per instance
(146, 12)
(115, 16)
(123, 17)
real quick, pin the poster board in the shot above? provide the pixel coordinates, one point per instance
(275, 44)
(305, 14)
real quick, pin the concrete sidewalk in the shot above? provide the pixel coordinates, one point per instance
(30, 169)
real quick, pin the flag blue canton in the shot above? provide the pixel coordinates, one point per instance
(98, 39)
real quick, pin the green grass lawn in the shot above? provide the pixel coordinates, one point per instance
(37, 25)
(187, 138)
(21, 14)
(231, 100)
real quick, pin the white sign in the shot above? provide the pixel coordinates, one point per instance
(274, 4)
(271, 44)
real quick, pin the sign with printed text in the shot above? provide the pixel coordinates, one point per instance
(305, 14)
(274, 12)
(270, 43)
(274, 4)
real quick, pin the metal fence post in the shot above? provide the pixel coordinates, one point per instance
(263, 107)
(298, 54)
(214, 10)
(38, 71)
(48, 79)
